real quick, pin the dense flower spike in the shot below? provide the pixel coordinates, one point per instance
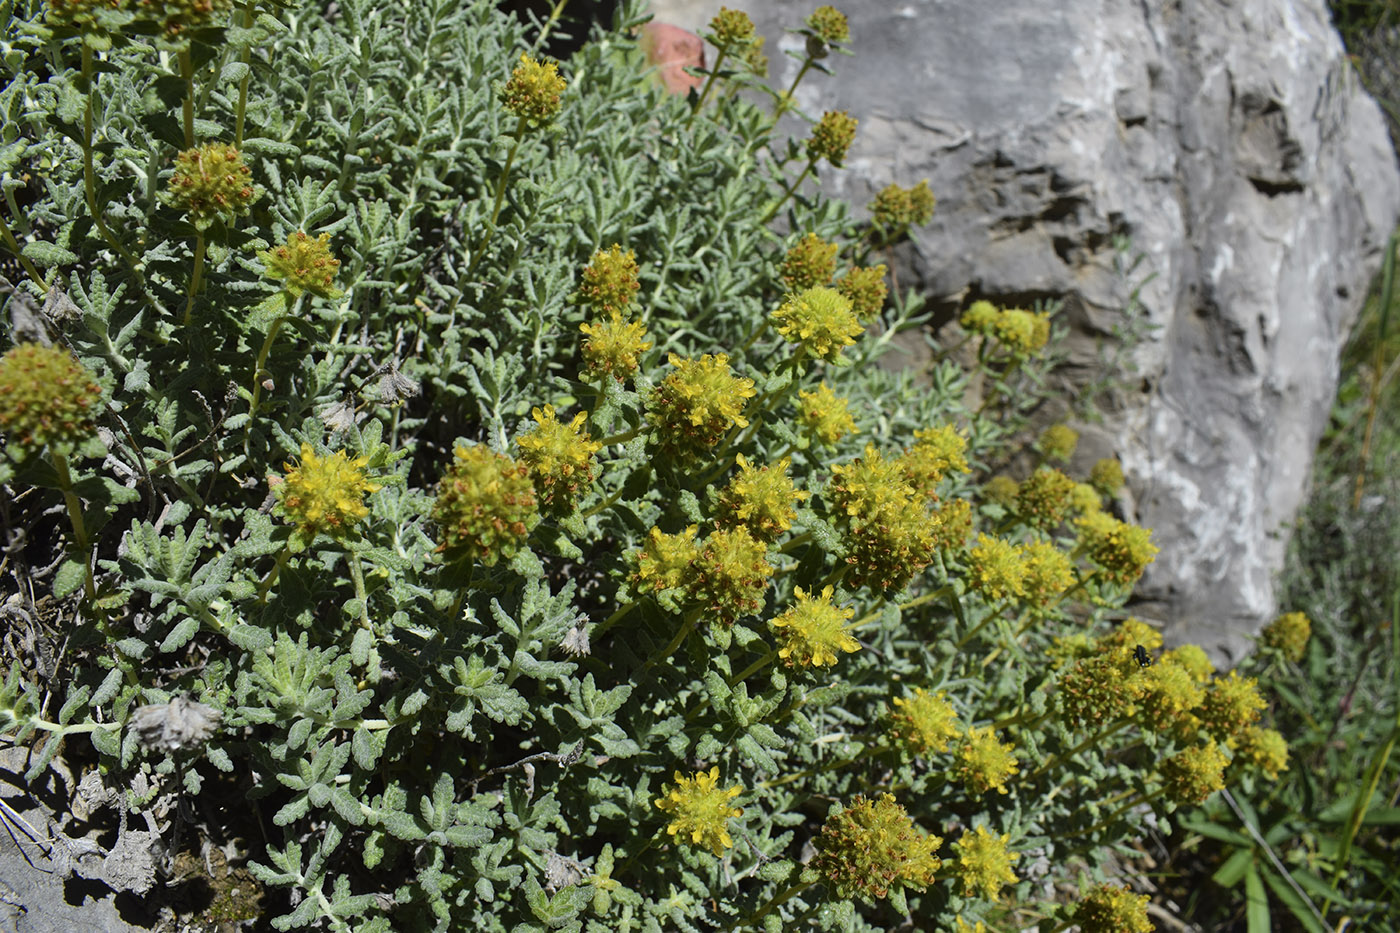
(303, 265)
(873, 846)
(1123, 551)
(1263, 749)
(995, 569)
(1288, 634)
(1231, 705)
(1194, 660)
(936, 452)
(1002, 490)
(980, 318)
(825, 416)
(1166, 692)
(820, 320)
(923, 723)
(950, 524)
(325, 495)
(559, 457)
(533, 91)
(698, 403)
(485, 506)
(1084, 499)
(1108, 908)
(810, 263)
(1133, 631)
(1096, 691)
(1194, 773)
(1106, 476)
(983, 762)
(1049, 572)
(1058, 442)
(762, 499)
(813, 631)
(883, 521)
(867, 290)
(664, 560)
(832, 137)
(895, 210)
(612, 348)
(211, 183)
(983, 863)
(1044, 498)
(610, 281)
(700, 810)
(46, 397)
(729, 574)
(731, 28)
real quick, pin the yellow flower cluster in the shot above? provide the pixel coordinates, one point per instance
(883, 520)
(1123, 551)
(612, 349)
(664, 561)
(1263, 749)
(485, 506)
(1045, 497)
(1106, 476)
(1020, 332)
(820, 320)
(697, 404)
(950, 524)
(731, 28)
(896, 209)
(983, 762)
(831, 137)
(1108, 908)
(700, 810)
(829, 24)
(923, 723)
(729, 574)
(813, 631)
(995, 569)
(936, 452)
(1288, 634)
(983, 863)
(46, 397)
(559, 457)
(866, 289)
(810, 263)
(1049, 572)
(533, 91)
(303, 265)
(762, 499)
(1002, 490)
(325, 494)
(1058, 442)
(1232, 704)
(210, 183)
(610, 280)
(824, 415)
(1194, 773)
(872, 846)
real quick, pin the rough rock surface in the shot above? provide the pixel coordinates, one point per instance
(1228, 141)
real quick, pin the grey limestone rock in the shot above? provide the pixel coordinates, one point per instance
(1233, 146)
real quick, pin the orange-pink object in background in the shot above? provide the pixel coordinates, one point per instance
(673, 49)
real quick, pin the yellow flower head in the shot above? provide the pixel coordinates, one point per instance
(533, 91)
(1016, 330)
(813, 631)
(1045, 498)
(700, 810)
(1097, 690)
(303, 265)
(1231, 705)
(810, 263)
(485, 505)
(872, 846)
(923, 723)
(983, 763)
(46, 397)
(884, 522)
(1194, 659)
(1106, 476)
(1166, 692)
(730, 574)
(1194, 773)
(866, 289)
(1288, 634)
(664, 560)
(1084, 499)
(1123, 551)
(1002, 490)
(937, 452)
(829, 24)
(1263, 749)
(612, 348)
(559, 457)
(698, 403)
(731, 28)
(950, 524)
(762, 499)
(1108, 908)
(820, 319)
(1131, 633)
(823, 415)
(831, 137)
(610, 280)
(896, 209)
(1058, 442)
(210, 183)
(996, 569)
(980, 318)
(1049, 573)
(325, 494)
(983, 863)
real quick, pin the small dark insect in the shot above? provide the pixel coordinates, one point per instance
(1140, 656)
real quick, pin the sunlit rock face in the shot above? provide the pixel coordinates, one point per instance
(1228, 144)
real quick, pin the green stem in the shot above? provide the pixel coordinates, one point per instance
(500, 197)
(187, 107)
(90, 170)
(788, 192)
(266, 585)
(74, 729)
(613, 619)
(1377, 368)
(687, 626)
(1136, 801)
(82, 547)
(198, 278)
(1094, 739)
(786, 100)
(777, 901)
(977, 628)
(549, 23)
(795, 542)
(624, 437)
(603, 504)
(357, 576)
(260, 368)
(246, 57)
(705, 91)
(14, 247)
